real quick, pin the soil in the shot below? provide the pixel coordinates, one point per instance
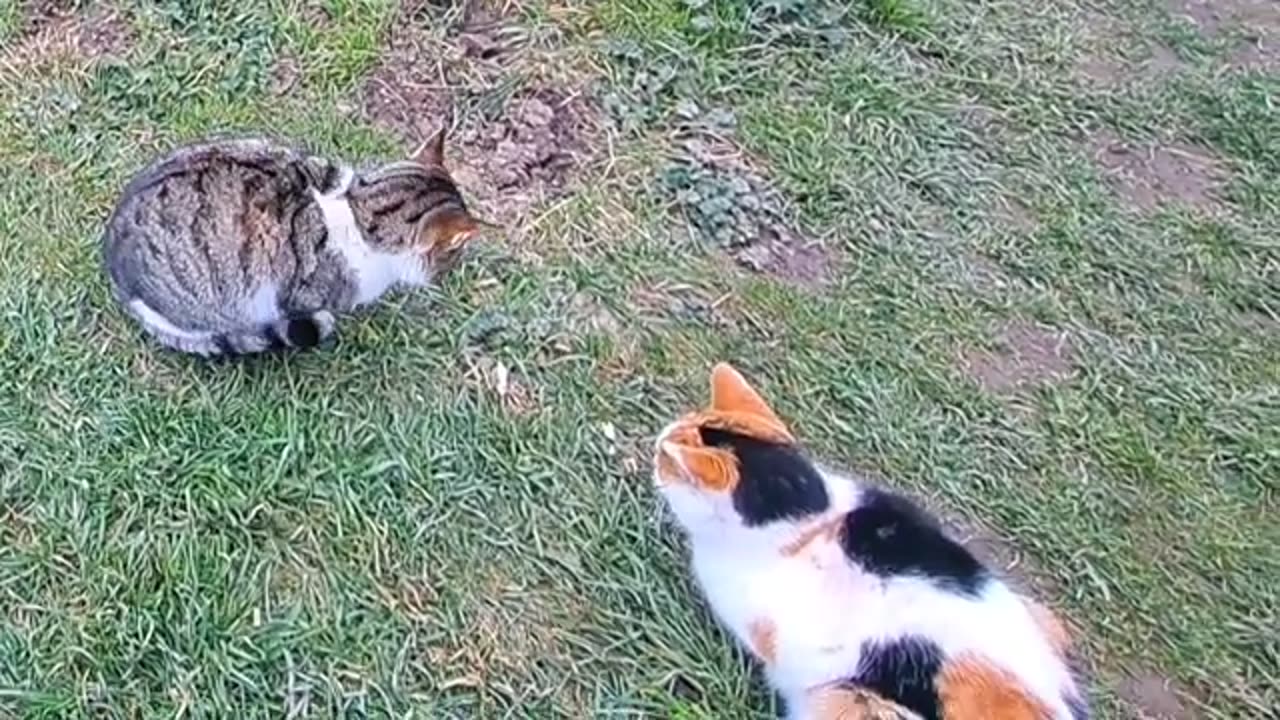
(1150, 176)
(787, 257)
(1104, 67)
(518, 149)
(1029, 355)
(1154, 697)
(53, 28)
(1257, 21)
(286, 75)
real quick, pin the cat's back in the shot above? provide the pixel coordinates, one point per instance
(209, 213)
(927, 625)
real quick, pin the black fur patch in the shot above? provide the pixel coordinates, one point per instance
(274, 340)
(224, 345)
(303, 332)
(904, 671)
(775, 481)
(889, 535)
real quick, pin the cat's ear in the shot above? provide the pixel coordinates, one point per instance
(431, 152)
(708, 468)
(448, 230)
(730, 393)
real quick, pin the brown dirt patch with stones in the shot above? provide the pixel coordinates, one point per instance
(1027, 355)
(518, 137)
(1150, 176)
(1155, 697)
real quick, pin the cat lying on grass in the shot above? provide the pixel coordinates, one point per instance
(853, 599)
(239, 246)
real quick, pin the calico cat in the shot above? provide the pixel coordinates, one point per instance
(853, 599)
(239, 246)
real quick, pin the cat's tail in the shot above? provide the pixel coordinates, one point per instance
(299, 331)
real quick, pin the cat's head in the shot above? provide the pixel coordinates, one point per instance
(449, 226)
(414, 207)
(735, 463)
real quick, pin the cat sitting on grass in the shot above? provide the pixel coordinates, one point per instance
(239, 246)
(853, 599)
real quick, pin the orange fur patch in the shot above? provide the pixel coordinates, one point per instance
(971, 688)
(825, 530)
(730, 392)
(838, 703)
(710, 468)
(1052, 627)
(753, 426)
(764, 639)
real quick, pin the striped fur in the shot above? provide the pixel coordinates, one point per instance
(243, 246)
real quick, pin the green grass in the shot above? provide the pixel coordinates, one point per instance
(372, 530)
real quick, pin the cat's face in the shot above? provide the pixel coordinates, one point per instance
(710, 465)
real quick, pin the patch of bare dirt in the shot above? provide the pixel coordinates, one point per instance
(1206, 15)
(1162, 63)
(666, 302)
(53, 30)
(1155, 697)
(994, 551)
(1106, 62)
(782, 255)
(1258, 52)
(1104, 69)
(508, 630)
(518, 137)
(531, 151)
(286, 75)
(980, 273)
(1256, 21)
(1149, 176)
(1028, 355)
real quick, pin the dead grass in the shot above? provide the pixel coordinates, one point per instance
(54, 33)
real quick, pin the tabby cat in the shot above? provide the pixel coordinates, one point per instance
(855, 601)
(239, 246)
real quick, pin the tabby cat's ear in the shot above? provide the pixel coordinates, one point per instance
(706, 467)
(730, 393)
(449, 230)
(431, 152)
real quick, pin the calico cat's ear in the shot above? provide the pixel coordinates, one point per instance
(730, 393)
(431, 152)
(448, 230)
(708, 468)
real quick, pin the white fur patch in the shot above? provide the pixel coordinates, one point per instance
(159, 323)
(376, 272)
(263, 306)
